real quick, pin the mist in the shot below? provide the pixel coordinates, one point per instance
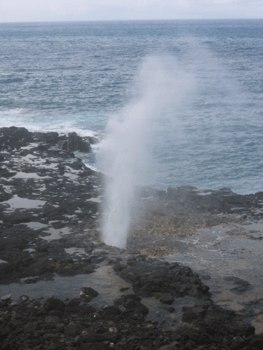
(126, 155)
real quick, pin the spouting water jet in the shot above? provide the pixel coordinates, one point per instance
(126, 154)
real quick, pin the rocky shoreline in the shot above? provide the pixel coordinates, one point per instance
(49, 209)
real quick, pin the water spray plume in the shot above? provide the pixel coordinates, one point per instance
(126, 152)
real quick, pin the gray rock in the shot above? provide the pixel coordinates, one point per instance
(167, 299)
(30, 327)
(88, 293)
(60, 327)
(76, 143)
(24, 298)
(113, 330)
(6, 297)
(52, 320)
(172, 346)
(54, 304)
(50, 336)
(72, 330)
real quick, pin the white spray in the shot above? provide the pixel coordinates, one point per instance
(126, 152)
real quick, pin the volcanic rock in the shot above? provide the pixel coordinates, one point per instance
(88, 293)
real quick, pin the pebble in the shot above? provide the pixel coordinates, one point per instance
(88, 293)
(6, 297)
(52, 320)
(167, 299)
(72, 329)
(113, 330)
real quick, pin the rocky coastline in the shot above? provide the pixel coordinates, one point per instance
(49, 209)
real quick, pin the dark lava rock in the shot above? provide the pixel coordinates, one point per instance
(76, 143)
(14, 138)
(172, 346)
(219, 326)
(167, 299)
(66, 188)
(88, 293)
(97, 346)
(28, 326)
(221, 201)
(150, 276)
(54, 304)
(131, 303)
(61, 186)
(72, 329)
(170, 309)
(51, 138)
(52, 320)
(241, 285)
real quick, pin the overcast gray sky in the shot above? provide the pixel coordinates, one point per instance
(86, 10)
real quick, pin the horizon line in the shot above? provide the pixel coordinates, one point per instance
(131, 20)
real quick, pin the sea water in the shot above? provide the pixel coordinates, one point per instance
(82, 76)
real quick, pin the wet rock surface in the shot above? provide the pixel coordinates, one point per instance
(49, 203)
(239, 284)
(221, 201)
(74, 324)
(150, 276)
(46, 204)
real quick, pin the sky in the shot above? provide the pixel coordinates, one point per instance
(88, 10)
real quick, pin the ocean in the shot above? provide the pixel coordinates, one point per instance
(200, 80)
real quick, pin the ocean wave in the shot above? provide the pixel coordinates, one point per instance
(40, 122)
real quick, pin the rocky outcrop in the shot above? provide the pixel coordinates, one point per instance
(46, 197)
(221, 201)
(149, 276)
(49, 204)
(14, 138)
(17, 138)
(74, 324)
(76, 143)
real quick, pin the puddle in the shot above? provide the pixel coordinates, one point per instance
(204, 193)
(71, 176)
(103, 280)
(30, 146)
(8, 189)
(76, 251)
(232, 250)
(95, 200)
(42, 187)
(29, 250)
(69, 216)
(3, 261)
(22, 203)
(22, 175)
(55, 234)
(107, 283)
(34, 225)
(223, 250)
(160, 312)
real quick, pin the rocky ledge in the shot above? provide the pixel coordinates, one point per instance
(74, 324)
(47, 196)
(48, 215)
